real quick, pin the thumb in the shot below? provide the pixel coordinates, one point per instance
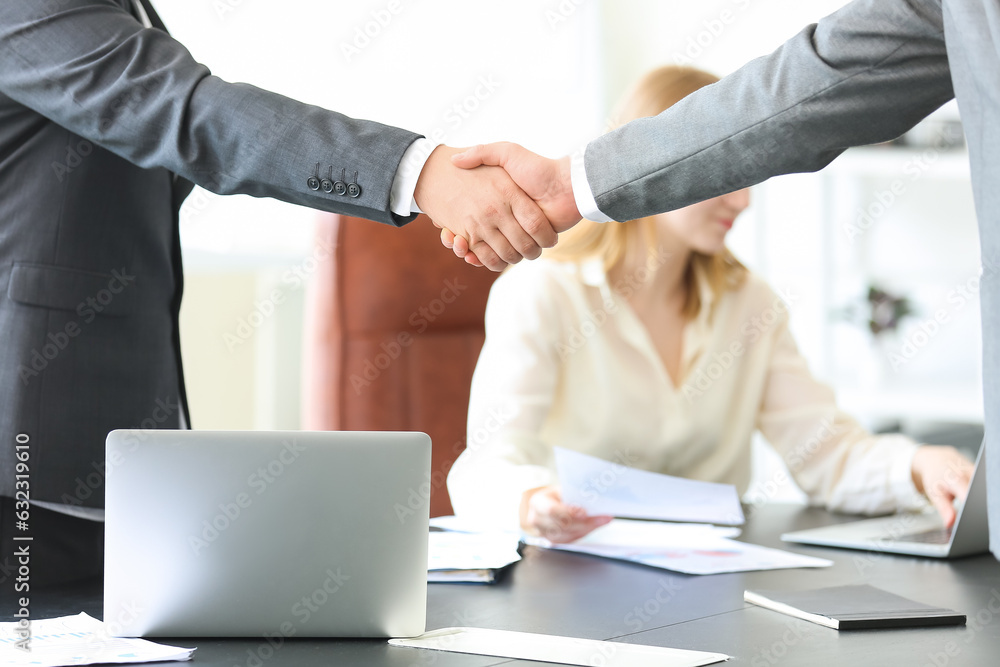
(494, 155)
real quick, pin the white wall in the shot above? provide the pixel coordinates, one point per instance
(717, 35)
(413, 64)
(420, 71)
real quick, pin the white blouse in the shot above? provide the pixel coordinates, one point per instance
(568, 363)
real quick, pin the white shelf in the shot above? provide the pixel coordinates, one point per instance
(956, 403)
(900, 162)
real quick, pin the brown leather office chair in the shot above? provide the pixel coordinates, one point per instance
(394, 326)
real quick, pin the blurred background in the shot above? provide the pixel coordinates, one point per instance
(878, 255)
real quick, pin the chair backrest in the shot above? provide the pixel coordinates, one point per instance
(394, 327)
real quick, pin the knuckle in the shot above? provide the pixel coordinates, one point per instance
(535, 225)
(510, 256)
(529, 250)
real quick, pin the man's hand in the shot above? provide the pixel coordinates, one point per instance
(943, 475)
(546, 181)
(499, 221)
(543, 513)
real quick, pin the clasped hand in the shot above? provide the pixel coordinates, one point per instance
(496, 204)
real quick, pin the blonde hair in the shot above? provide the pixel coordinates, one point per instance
(657, 91)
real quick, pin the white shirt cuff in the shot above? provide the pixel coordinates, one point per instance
(901, 480)
(582, 193)
(401, 201)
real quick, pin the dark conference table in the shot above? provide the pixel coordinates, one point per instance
(583, 596)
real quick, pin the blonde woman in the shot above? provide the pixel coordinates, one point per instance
(649, 343)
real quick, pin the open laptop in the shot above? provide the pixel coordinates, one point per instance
(232, 534)
(914, 534)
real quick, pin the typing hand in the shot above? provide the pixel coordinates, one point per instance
(543, 513)
(499, 223)
(943, 475)
(546, 181)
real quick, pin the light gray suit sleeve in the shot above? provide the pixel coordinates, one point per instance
(90, 67)
(863, 75)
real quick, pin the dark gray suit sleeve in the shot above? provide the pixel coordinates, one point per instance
(863, 75)
(90, 67)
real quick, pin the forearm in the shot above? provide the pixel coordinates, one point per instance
(512, 393)
(865, 74)
(834, 460)
(90, 67)
(488, 487)
(862, 473)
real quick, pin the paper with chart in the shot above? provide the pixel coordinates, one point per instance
(78, 640)
(612, 488)
(687, 548)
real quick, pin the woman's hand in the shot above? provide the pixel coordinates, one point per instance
(543, 513)
(943, 475)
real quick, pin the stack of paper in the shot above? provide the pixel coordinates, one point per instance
(607, 488)
(456, 557)
(77, 640)
(614, 489)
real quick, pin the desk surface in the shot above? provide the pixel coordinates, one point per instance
(582, 596)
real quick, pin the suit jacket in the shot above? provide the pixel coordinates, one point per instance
(104, 125)
(865, 74)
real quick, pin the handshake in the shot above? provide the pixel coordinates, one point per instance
(496, 204)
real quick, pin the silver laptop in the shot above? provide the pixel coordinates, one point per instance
(914, 534)
(234, 534)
